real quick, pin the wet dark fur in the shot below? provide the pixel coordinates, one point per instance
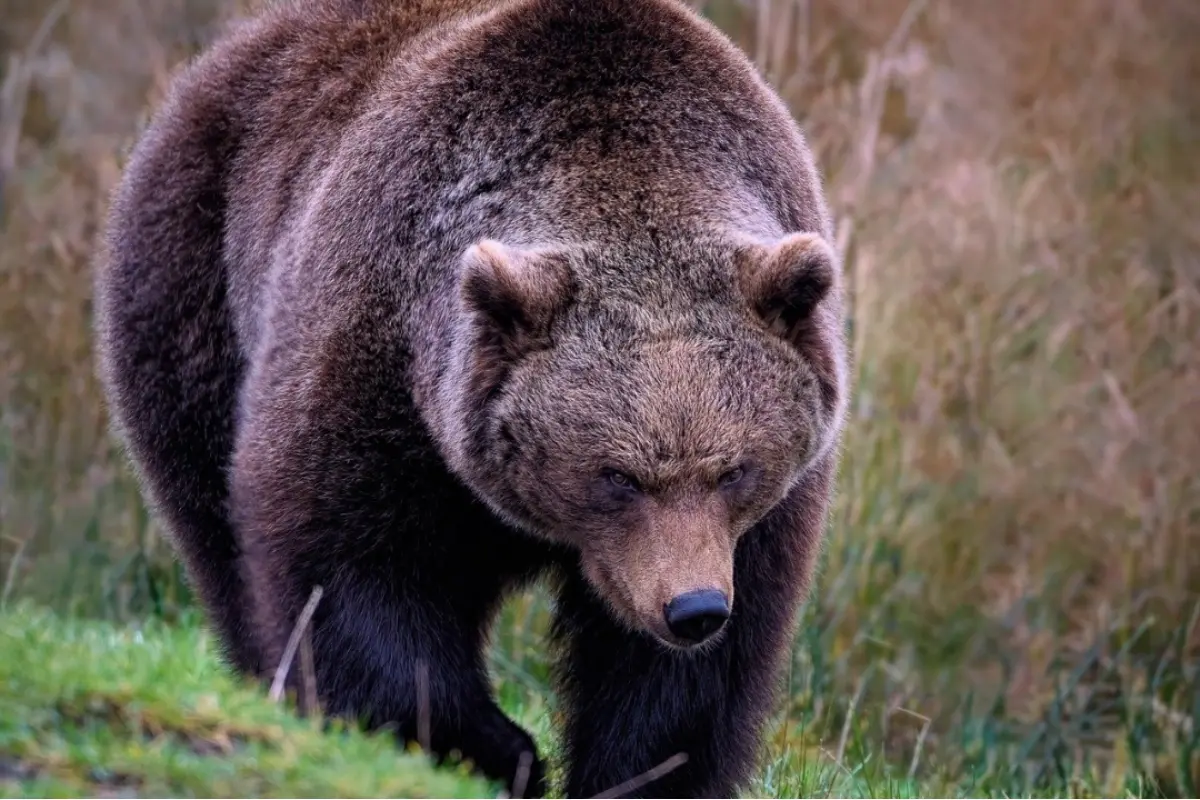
(279, 307)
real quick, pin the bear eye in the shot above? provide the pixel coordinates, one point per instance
(622, 481)
(732, 477)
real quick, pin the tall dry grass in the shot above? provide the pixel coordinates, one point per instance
(76, 80)
(1013, 578)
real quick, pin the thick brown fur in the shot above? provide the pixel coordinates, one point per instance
(419, 301)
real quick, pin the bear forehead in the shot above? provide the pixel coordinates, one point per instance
(717, 355)
(680, 396)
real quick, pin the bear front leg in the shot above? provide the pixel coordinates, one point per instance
(634, 705)
(411, 571)
(394, 655)
(399, 659)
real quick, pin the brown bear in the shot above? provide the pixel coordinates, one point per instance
(419, 301)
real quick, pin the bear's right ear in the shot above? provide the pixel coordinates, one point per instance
(515, 291)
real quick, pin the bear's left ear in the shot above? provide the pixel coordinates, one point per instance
(516, 291)
(785, 281)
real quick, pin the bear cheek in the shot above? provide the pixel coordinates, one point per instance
(598, 564)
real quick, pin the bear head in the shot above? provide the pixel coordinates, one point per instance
(648, 405)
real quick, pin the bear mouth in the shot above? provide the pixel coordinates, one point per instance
(708, 637)
(676, 645)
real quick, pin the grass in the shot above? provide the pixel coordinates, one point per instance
(1008, 604)
(93, 708)
(89, 709)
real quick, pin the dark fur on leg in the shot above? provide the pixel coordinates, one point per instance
(426, 683)
(409, 590)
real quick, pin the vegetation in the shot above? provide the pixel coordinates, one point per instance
(91, 710)
(1010, 599)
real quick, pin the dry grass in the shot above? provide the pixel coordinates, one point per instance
(75, 84)
(1016, 186)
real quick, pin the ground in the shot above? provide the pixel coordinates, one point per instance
(93, 709)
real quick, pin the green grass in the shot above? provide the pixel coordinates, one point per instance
(90, 708)
(93, 709)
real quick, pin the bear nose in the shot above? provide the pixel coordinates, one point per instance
(694, 616)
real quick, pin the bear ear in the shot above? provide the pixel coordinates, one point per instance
(515, 291)
(784, 281)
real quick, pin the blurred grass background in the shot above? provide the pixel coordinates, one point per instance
(1010, 601)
